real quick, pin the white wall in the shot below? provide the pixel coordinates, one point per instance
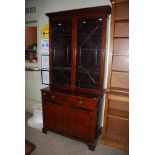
(33, 79)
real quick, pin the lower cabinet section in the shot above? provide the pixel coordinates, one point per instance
(72, 116)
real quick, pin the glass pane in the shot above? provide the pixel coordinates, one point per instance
(89, 42)
(61, 52)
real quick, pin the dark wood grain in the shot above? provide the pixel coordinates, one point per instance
(68, 109)
(72, 115)
(29, 147)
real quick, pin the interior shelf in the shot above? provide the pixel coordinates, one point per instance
(116, 36)
(120, 54)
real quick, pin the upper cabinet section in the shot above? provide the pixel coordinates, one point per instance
(77, 43)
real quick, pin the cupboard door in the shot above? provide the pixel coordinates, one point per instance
(53, 116)
(89, 45)
(81, 123)
(61, 52)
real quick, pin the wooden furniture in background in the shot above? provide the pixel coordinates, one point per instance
(72, 104)
(30, 36)
(31, 43)
(29, 147)
(116, 114)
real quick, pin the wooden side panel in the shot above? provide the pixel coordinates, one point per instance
(120, 63)
(121, 46)
(120, 80)
(121, 29)
(122, 11)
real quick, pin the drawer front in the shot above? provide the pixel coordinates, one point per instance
(55, 97)
(50, 96)
(83, 101)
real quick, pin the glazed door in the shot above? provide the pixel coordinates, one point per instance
(89, 47)
(61, 52)
(53, 116)
(81, 122)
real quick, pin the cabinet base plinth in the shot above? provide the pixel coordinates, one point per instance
(44, 130)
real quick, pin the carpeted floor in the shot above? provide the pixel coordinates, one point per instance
(54, 144)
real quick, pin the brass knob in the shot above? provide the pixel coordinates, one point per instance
(53, 97)
(44, 94)
(80, 102)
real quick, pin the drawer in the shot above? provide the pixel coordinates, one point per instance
(83, 101)
(50, 96)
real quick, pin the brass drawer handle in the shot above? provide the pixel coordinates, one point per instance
(80, 102)
(53, 96)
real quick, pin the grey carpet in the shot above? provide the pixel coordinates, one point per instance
(54, 144)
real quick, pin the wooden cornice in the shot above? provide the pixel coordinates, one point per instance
(106, 9)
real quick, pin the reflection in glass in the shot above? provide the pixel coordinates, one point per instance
(89, 41)
(61, 52)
